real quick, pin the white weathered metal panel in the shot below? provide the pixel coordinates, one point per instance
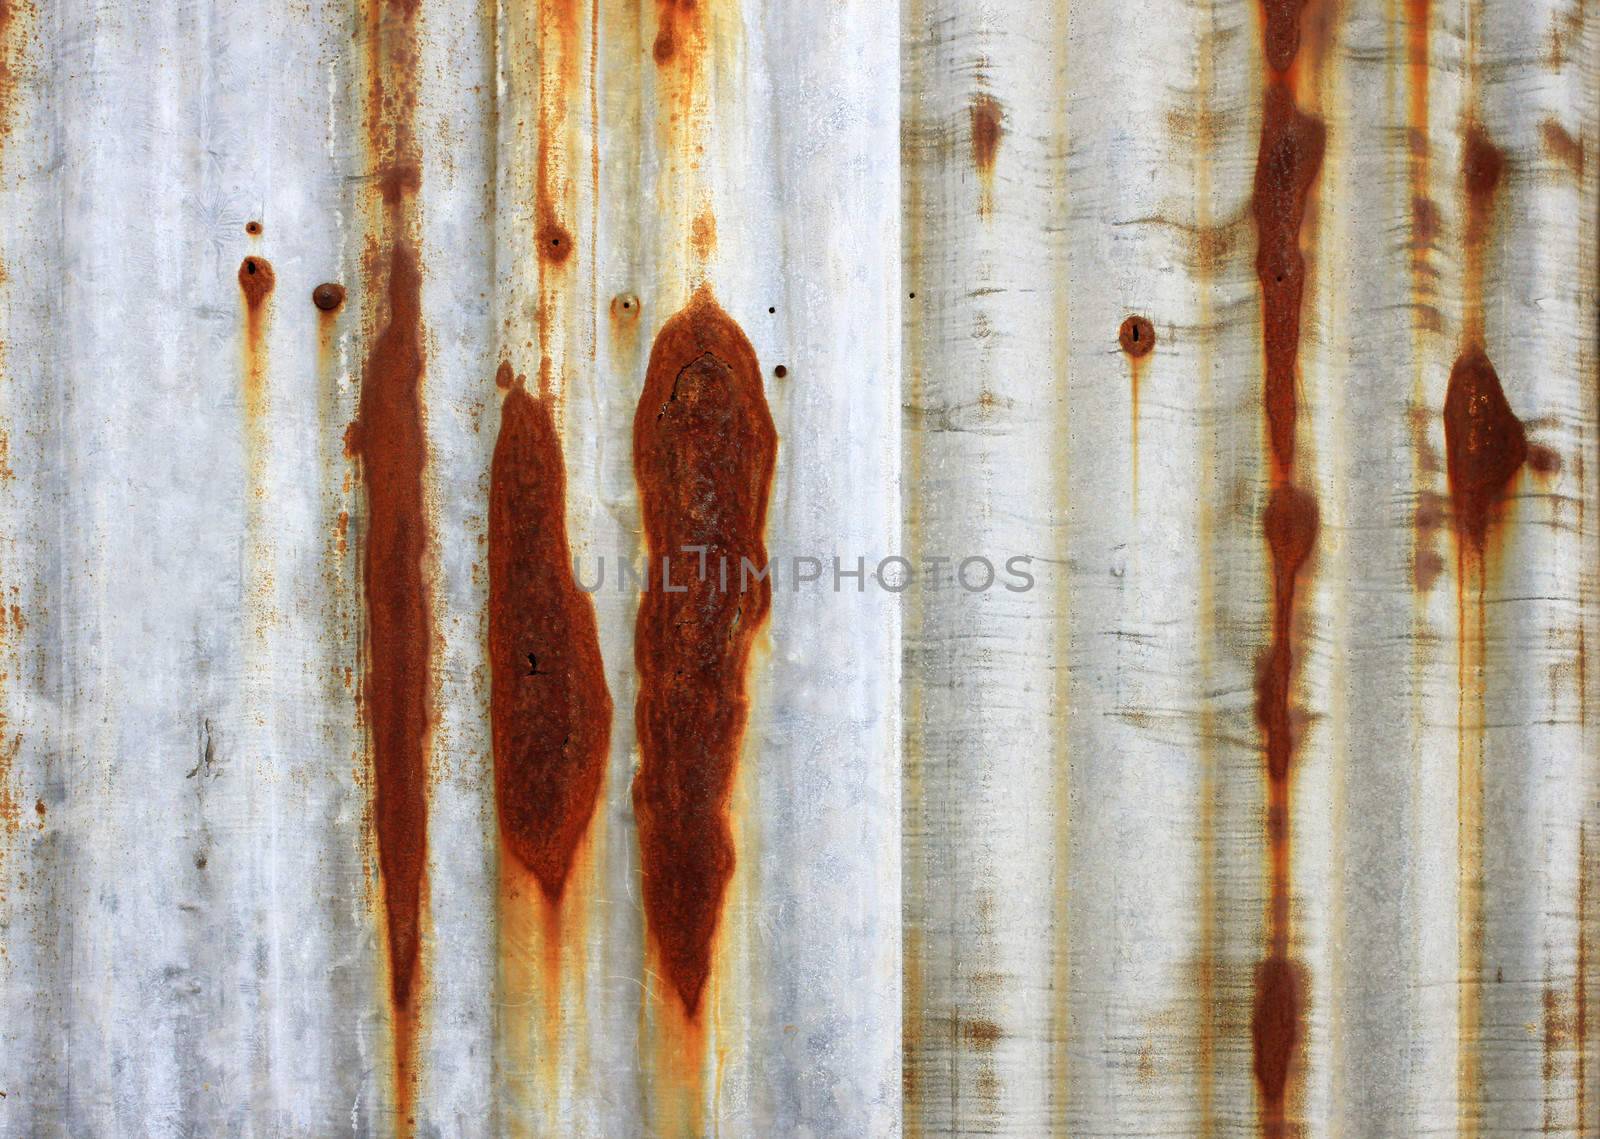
(1003, 858)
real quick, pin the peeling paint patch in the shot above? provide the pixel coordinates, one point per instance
(704, 450)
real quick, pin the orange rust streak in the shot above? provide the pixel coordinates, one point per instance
(550, 710)
(704, 449)
(987, 127)
(256, 281)
(1287, 166)
(679, 34)
(1138, 338)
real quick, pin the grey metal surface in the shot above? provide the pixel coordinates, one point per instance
(1003, 857)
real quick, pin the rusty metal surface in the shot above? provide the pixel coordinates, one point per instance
(341, 344)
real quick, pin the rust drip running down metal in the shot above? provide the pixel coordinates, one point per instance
(1485, 448)
(1287, 167)
(704, 450)
(389, 438)
(256, 282)
(987, 127)
(677, 30)
(1138, 338)
(549, 710)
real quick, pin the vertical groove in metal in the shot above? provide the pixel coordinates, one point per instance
(1224, 826)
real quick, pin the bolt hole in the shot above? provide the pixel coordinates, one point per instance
(780, 371)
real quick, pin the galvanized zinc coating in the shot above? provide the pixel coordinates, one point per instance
(1169, 427)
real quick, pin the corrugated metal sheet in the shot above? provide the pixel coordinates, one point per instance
(333, 801)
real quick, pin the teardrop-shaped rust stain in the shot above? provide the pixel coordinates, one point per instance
(1275, 1023)
(704, 450)
(389, 439)
(256, 280)
(549, 707)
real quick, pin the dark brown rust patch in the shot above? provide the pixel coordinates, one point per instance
(1281, 32)
(388, 436)
(1137, 336)
(549, 708)
(988, 125)
(780, 371)
(1485, 444)
(704, 449)
(1286, 169)
(256, 280)
(328, 296)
